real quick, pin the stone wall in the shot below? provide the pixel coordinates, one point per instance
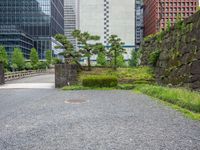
(2, 80)
(179, 59)
(65, 74)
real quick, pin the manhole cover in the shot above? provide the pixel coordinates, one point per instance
(75, 101)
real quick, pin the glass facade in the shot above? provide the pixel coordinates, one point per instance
(39, 19)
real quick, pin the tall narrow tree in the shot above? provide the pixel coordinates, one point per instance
(18, 60)
(48, 57)
(101, 54)
(3, 56)
(116, 49)
(34, 57)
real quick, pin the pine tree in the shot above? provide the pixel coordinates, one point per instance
(116, 50)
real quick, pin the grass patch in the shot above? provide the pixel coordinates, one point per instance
(118, 87)
(123, 74)
(80, 87)
(184, 100)
(100, 81)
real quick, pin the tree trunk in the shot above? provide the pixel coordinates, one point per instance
(89, 64)
(79, 65)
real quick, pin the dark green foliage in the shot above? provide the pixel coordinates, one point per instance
(3, 56)
(34, 57)
(153, 57)
(49, 57)
(42, 65)
(135, 57)
(18, 62)
(100, 81)
(88, 43)
(134, 60)
(179, 24)
(116, 50)
(101, 59)
(57, 61)
(69, 52)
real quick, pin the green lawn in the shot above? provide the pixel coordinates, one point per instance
(124, 75)
(184, 100)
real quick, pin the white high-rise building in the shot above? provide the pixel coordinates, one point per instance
(71, 18)
(107, 17)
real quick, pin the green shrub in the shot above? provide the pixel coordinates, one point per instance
(42, 65)
(57, 61)
(28, 66)
(153, 57)
(100, 81)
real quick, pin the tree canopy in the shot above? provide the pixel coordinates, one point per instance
(3, 56)
(88, 44)
(116, 49)
(34, 56)
(18, 61)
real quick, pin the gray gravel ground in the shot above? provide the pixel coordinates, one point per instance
(109, 120)
(44, 78)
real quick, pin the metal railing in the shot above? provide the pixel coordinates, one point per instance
(24, 74)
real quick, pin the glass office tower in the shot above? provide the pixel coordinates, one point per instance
(36, 21)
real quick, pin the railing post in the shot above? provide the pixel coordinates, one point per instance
(2, 78)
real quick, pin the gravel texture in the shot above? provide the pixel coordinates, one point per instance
(35, 119)
(44, 78)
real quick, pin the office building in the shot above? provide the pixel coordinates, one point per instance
(30, 23)
(71, 19)
(158, 12)
(138, 23)
(107, 17)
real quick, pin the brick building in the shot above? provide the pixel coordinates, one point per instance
(158, 12)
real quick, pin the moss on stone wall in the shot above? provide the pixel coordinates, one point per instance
(179, 58)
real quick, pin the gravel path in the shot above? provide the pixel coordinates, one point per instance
(33, 119)
(44, 78)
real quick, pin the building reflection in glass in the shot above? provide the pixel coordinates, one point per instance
(36, 20)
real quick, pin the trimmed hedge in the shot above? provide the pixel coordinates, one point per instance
(100, 81)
